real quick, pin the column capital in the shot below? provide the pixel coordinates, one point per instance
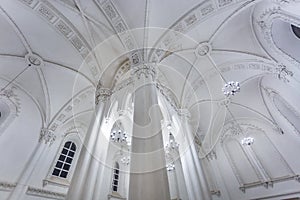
(102, 94)
(47, 136)
(283, 73)
(185, 113)
(146, 69)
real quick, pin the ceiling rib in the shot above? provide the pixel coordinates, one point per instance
(16, 29)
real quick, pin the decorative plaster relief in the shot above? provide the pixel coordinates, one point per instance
(122, 70)
(264, 15)
(34, 60)
(283, 73)
(147, 70)
(169, 42)
(203, 49)
(122, 85)
(45, 193)
(118, 23)
(47, 136)
(64, 27)
(67, 110)
(5, 186)
(102, 95)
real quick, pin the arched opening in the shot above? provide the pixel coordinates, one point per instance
(65, 160)
(287, 111)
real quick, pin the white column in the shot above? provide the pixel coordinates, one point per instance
(148, 174)
(191, 164)
(99, 191)
(83, 182)
(180, 181)
(46, 136)
(188, 174)
(219, 180)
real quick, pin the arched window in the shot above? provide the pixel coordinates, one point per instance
(116, 176)
(296, 30)
(8, 110)
(287, 111)
(64, 161)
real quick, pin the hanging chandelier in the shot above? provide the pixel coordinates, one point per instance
(247, 141)
(119, 137)
(170, 166)
(172, 144)
(125, 160)
(231, 88)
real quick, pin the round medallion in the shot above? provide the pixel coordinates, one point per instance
(33, 59)
(203, 49)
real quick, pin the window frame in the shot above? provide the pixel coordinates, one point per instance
(115, 172)
(59, 181)
(65, 159)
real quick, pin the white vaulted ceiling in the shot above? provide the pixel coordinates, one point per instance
(83, 41)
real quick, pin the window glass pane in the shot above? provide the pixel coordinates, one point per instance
(115, 180)
(73, 147)
(69, 160)
(63, 174)
(55, 172)
(64, 151)
(66, 167)
(296, 30)
(59, 164)
(62, 158)
(67, 145)
(71, 154)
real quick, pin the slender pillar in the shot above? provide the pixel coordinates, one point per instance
(180, 180)
(46, 136)
(188, 175)
(100, 181)
(172, 155)
(192, 165)
(148, 174)
(85, 174)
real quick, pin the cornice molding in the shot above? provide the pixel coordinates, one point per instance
(6, 186)
(33, 191)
